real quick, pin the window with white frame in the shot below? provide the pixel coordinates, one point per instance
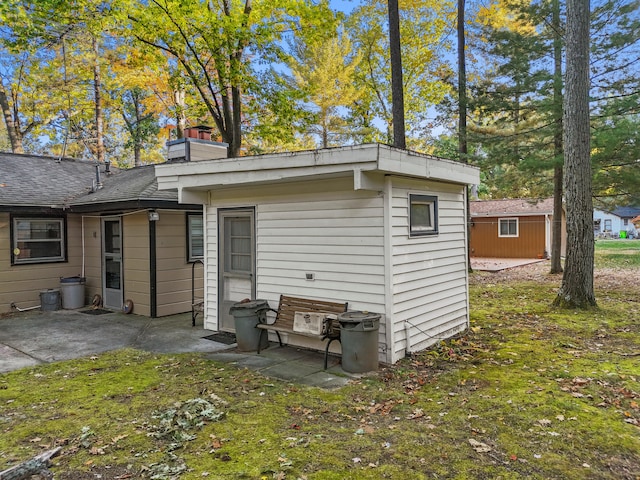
(423, 215)
(508, 227)
(38, 240)
(195, 237)
(607, 225)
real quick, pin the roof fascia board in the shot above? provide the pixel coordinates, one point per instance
(355, 161)
(131, 205)
(511, 214)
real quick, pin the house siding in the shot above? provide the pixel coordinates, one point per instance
(22, 284)
(173, 272)
(321, 227)
(530, 242)
(429, 274)
(135, 261)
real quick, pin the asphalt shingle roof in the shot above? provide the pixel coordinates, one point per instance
(128, 185)
(626, 212)
(31, 180)
(516, 206)
(37, 181)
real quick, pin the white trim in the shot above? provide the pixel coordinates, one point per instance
(353, 161)
(517, 234)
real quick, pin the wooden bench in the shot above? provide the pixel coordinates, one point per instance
(285, 316)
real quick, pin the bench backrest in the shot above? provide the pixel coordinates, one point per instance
(288, 307)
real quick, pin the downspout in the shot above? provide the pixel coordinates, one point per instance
(153, 298)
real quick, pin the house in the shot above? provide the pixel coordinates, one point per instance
(66, 218)
(378, 227)
(513, 228)
(610, 223)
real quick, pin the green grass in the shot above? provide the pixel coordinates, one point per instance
(528, 392)
(622, 253)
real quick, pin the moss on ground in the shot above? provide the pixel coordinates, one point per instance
(528, 392)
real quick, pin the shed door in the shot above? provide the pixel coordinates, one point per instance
(237, 261)
(112, 287)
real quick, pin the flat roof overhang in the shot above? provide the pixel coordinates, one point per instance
(366, 164)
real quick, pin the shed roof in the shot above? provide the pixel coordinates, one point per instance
(367, 164)
(511, 207)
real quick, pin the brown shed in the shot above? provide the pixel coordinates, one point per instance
(513, 228)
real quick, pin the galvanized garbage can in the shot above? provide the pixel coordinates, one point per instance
(246, 316)
(359, 339)
(50, 300)
(72, 292)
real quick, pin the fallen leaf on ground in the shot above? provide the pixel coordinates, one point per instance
(479, 446)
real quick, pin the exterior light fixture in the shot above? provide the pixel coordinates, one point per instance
(153, 216)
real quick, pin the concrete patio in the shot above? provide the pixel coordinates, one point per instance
(32, 338)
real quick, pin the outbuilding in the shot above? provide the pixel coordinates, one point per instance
(378, 227)
(514, 228)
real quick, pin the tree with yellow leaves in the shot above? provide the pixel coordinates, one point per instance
(326, 72)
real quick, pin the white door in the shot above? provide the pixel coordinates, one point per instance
(112, 288)
(237, 261)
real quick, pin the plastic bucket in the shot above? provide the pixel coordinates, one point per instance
(72, 292)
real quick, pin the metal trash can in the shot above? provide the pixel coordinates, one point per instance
(246, 316)
(50, 300)
(72, 292)
(359, 339)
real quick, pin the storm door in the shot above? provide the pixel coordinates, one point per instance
(112, 287)
(236, 256)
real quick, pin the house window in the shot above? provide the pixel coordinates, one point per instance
(38, 240)
(508, 227)
(423, 215)
(607, 225)
(195, 237)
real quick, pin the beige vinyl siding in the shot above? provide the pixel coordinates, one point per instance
(135, 261)
(22, 284)
(173, 272)
(429, 285)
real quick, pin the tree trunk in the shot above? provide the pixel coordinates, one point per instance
(577, 282)
(462, 113)
(97, 95)
(181, 117)
(397, 87)
(556, 227)
(556, 231)
(13, 129)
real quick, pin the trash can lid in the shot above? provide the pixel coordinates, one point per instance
(76, 279)
(357, 317)
(252, 305)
